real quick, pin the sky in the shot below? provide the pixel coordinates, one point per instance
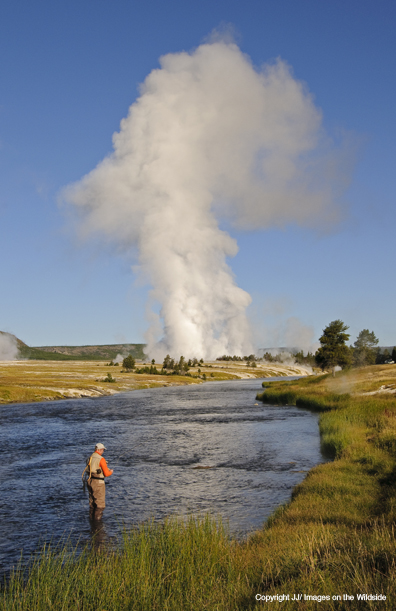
(68, 75)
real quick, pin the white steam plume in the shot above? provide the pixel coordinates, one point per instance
(209, 136)
(8, 347)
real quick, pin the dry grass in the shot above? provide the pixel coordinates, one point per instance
(364, 380)
(25, 381)
(29, 380)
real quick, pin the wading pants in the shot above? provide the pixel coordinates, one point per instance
(96, 489)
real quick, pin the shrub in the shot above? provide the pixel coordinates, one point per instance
(128, 363)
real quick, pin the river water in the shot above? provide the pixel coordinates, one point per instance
(155, 439)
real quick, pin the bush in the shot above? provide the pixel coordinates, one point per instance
(128, 363)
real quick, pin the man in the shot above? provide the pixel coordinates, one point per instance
(97, 471)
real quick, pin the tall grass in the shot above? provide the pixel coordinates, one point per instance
(194, 565)
(173, 565)
(335, 537)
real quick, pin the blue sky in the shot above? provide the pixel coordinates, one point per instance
(69, 73)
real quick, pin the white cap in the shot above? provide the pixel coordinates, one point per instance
(99, 446)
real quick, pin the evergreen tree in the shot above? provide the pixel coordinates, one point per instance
(128, 363)
(382, 357)
(333, 350)
(166, 363)
(364, 352)
(184, 367)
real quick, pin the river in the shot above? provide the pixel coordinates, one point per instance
(155, 439)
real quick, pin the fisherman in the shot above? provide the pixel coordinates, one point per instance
(97, 471)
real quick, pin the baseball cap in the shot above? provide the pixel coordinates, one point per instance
(99, 446)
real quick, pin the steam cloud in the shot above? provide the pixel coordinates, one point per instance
(291, 333)
(209, 138)
(8, 347)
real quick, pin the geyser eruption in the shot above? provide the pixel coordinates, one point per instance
(8, 347)
(209, 137)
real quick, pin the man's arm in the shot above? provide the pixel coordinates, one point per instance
(103, 466)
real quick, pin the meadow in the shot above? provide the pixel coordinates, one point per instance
(332, 543)
(44, 380)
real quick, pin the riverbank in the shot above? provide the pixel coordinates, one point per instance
(345, 509)
(29, 381)
(334, 539)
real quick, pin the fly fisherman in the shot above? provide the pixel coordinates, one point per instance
(97, 471)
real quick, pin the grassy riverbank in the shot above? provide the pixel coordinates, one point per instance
(345, 509)
(336, 537)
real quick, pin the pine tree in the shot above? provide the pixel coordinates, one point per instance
(333, 350)
(364, 348)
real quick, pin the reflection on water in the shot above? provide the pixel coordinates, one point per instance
(98, 534)
(155, 439)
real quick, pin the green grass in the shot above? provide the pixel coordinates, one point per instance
(173, 565)
(335, 537)
(194, 565)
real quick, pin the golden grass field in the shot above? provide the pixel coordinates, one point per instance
(27, 381)
(376, 379)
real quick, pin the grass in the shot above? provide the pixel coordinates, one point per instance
(335, 537)
(174, 565)
(28, 381)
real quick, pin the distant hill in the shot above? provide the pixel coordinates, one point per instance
(90, 353)
(76, 353)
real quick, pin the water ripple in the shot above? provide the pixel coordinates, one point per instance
(174, 450)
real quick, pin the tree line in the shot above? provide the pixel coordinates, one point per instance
(334, 352)
(170, 366)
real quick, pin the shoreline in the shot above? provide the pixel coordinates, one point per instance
(335, 535)
(31, 381)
